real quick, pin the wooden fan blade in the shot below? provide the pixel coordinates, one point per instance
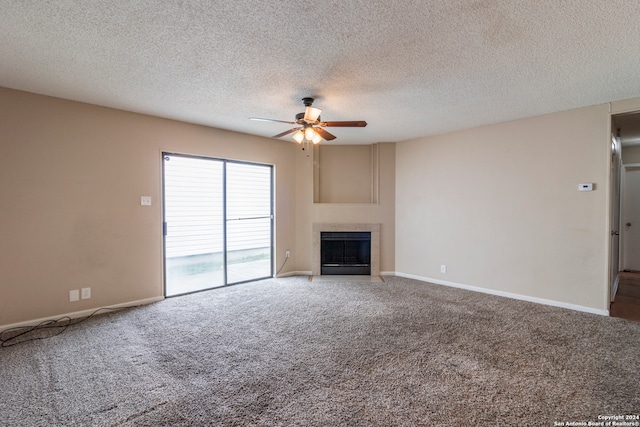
(323, 133)
(351, 124)
(271, 120)
(286, 132)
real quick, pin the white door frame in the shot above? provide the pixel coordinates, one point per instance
(615, 209)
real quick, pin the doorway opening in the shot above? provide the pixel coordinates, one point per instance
(218, 222)
(625, 216)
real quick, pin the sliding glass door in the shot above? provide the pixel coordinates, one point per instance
(218, 222)
(193, 224)
(248, 221)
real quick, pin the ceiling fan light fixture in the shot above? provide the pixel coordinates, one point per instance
(316, 138)
(311, 114)
(309, 133)
(298, 136)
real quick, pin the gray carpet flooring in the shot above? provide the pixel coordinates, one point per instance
(290, 352)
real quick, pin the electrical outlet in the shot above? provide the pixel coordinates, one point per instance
(287, 253)
(85, 293)
(74, 295)
(443, 268)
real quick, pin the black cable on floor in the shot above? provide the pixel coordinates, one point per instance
(62, 323)
(281, 267)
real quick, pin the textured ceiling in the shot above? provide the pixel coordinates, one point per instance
(409, 68)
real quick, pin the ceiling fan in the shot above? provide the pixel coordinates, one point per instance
(310, 127)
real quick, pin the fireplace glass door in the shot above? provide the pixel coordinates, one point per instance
(346, 253)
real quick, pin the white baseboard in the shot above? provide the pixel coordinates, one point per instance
(77, 314)
(507, 294)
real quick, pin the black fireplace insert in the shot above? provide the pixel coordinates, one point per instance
(345, 252)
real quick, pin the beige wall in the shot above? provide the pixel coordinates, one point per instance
(309, 212)
(70, 187)
(499, 206)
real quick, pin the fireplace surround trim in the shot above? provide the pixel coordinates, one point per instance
(374, 229)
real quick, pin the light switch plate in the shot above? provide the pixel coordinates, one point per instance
(145, 200)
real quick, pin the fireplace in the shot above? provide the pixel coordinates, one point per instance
(372, 229)
(345, 252)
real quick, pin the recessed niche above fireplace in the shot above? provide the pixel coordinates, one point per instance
(345, 174)
(372, 231)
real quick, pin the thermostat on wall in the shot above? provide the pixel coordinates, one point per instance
(585, 186)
